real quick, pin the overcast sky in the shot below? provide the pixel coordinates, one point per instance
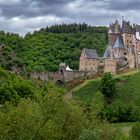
(22, 16)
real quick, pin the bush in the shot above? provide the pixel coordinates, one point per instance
(108, 87)
(90, 135)
(135, 131)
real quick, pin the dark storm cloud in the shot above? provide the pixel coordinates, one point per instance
(31, 8)
(27, 15)
(124, 5)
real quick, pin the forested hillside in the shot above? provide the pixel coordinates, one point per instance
(31, 109)
(45, 49)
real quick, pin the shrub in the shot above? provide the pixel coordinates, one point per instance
(108, 87)
(135, 131)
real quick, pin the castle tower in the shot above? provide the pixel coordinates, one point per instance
(119, 48)
(113, 33)
(62, 68)
(117, 27)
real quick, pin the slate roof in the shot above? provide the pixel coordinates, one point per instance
(90, 53)
(119, 42)
(107, 53)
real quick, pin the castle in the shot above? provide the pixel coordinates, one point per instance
(122, 52)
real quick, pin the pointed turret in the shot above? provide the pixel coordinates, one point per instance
(117, 27)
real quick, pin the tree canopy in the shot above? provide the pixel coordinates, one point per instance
(43, 50)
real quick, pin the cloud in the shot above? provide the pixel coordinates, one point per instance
(22, 16)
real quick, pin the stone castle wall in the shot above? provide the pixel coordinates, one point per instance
(110, 66)
(48, 76)
(88, 65)
(128, 39)
(63, 77)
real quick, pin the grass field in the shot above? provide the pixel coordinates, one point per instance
(128, 88)
(128, 92)
(124, 127)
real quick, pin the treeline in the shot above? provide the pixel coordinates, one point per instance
(74, 28)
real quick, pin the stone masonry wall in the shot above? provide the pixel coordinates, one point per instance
(110, 66)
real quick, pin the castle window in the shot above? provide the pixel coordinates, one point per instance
(130, 41)
(127, 41)
(130, 36)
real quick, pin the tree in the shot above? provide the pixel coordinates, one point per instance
(108, 87)
(49, 117)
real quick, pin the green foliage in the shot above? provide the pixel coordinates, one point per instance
(119, 110)
(86, 93)
(108, 87)
(104, 132)
(135, 131)
(8, 58)
(45, 49)
(12, 87)
(90, 135)
(50, 117)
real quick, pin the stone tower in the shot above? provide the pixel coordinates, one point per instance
(62, 68)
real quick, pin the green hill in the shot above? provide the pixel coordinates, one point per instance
(45, 49)
(125, 107)
(34, 110)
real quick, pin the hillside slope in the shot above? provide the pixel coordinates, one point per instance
(45, 49)
(126, 105)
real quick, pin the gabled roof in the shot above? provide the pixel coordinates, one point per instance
(112, 39)
(119, 42)
(90, 53)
